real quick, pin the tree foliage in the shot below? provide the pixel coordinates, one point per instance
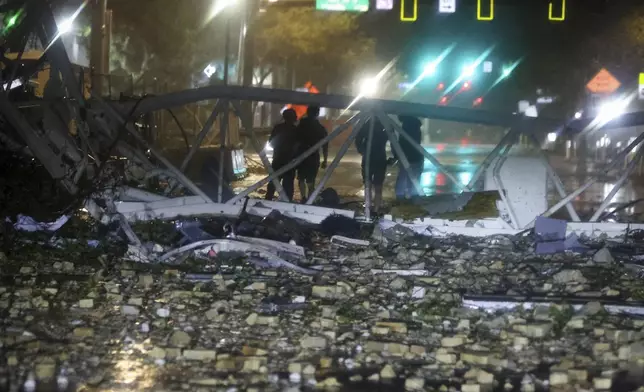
(327, 47)
(166, 39)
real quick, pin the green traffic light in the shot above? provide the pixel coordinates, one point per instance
(12, 21)
(506, 72)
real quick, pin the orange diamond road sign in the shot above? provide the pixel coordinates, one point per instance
(603, 83)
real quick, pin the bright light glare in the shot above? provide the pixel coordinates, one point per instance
(220, 6)
(505, 73)
(552, 137)
(435, 63)
(468, 70)
(66, 26)
(430, 68)
(611, 110)
(578, 115)
(268, 147)
(369, 87)
(378, 77)
(12, 21)
(465, 177)
(14, 84)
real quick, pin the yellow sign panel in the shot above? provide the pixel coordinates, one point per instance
(479, 14)
(557, 16)
(603, 83)
(414, 14)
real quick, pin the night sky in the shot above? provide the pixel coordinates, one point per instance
(520, 27)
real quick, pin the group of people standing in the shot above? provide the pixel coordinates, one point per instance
(378, 161)
(290, 140)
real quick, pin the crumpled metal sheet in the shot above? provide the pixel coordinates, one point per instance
(27, 223)
(551, 237)
(260, 255)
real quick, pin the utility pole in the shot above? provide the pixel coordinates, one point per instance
(249, 42)
(98, 44)
(227, 51)
(107, 42)
(249, 13)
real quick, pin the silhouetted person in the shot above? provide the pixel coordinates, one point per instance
(309, 133)
(377, 159)
(282, 140)
(404, 185)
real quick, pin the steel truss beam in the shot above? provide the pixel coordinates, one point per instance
(100, 124)
(260, 94)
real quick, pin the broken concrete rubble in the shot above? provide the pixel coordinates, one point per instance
(219, 322)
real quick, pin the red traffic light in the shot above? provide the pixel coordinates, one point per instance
(440, 86)
(443, 100)
(478, 101)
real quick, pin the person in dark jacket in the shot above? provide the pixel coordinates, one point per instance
(404, 185)
(310, 132)
(377, 159)
(282, 140)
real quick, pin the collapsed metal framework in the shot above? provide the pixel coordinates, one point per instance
(103, 129)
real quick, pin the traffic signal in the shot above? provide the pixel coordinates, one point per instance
(485, 10)
(557, 12)
(441, 86)
(478, 101)
(466, 86)
(443, 100)
(408, 10)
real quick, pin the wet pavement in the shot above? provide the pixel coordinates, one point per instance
(390, 317)
(400, 312)
(462, 162)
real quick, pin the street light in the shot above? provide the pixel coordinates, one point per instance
(430, 68)
(219, 6)
(578, 115)
(66, 26)
(468, 70)
(611, 110)
(552, 137)
(12, 21)
(368, 87)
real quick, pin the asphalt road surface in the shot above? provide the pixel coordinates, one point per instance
(462, 161)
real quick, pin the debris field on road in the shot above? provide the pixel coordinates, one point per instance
(402, 313)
